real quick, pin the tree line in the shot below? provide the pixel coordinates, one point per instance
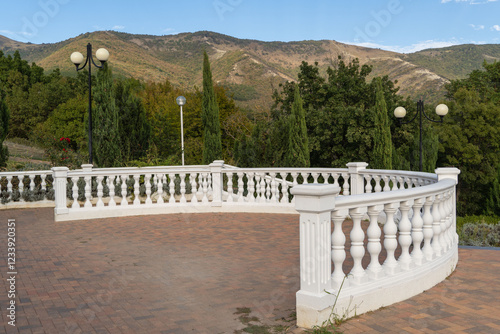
(321, 120)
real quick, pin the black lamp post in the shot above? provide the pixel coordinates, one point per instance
(400, 112)
(77, 58)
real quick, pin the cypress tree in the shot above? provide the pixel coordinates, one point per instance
(106, 138)
(493, 201)
(297, 153)
(382, 142)
(133, 126)
(4, 128)
(212, 144)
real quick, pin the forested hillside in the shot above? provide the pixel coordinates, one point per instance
(250, 69)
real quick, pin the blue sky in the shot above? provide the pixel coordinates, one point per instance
(398, 25)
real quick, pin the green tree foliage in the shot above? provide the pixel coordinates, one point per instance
(430, 144)
(382, 141)
(254, 150)
(31, 95)
(338, 110)
(493, 200)
(133, 127)
(105, 137)
(212, 145)
(297, 153)
(68, 120)
(470, 138)
(163, 113)
(4, 129)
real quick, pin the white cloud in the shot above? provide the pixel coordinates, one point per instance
(19, 36)
(496, 27)
(477, 27)
(118, 27)
(16, 33)
(471, 2)
(168, 31)
(430, 44)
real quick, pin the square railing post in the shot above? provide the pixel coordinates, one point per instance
(217, 181)
(357, 180)
(315, 203)
(60, 175)
(451, 173)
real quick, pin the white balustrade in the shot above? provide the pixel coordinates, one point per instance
(425, 216)
(416, 212)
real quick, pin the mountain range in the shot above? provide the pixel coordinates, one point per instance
(251, 69)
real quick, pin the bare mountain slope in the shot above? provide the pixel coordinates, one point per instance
(250, 69)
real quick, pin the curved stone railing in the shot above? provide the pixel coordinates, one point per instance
(413, 229)
(382, 235)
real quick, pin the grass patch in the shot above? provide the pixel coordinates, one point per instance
(255, 326)
(22, 148)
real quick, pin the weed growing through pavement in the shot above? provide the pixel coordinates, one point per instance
(334, 320)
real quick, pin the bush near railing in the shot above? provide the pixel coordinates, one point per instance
(31, 189)
(480, 231)
(130, 187)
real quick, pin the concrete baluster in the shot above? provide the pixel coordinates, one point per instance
(436, 227)
(74, 189)
(111, 187)
(147, 182)
(357, 246)
(390, 241)
(417, 233)
(159, 191)
(374, 246)
(124, 201)
(405, 236)
(137, 200)
(100, 203)
(428, 230)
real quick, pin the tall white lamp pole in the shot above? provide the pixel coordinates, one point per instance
(181, 100)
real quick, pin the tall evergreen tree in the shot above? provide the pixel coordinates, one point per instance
(297, 154)
(382, 141)
(212, 145)
(106, 138)
(133, 126)
(493, 201)
(4, 128)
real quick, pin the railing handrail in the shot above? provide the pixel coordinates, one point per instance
(393, 196)
(16, 173)
(411, 174)
(137, 170)
(291, 169)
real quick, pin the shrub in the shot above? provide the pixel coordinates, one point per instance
(480, 234)
(481, 231)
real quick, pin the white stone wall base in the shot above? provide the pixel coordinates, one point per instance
(313, 310)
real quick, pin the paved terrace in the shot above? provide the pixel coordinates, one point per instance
(200, 273)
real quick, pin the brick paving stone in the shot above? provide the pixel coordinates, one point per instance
(189, 273)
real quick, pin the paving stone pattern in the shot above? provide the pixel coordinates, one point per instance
(191, 273)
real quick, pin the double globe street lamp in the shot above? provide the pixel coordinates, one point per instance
(400, 113)
(77, 58)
